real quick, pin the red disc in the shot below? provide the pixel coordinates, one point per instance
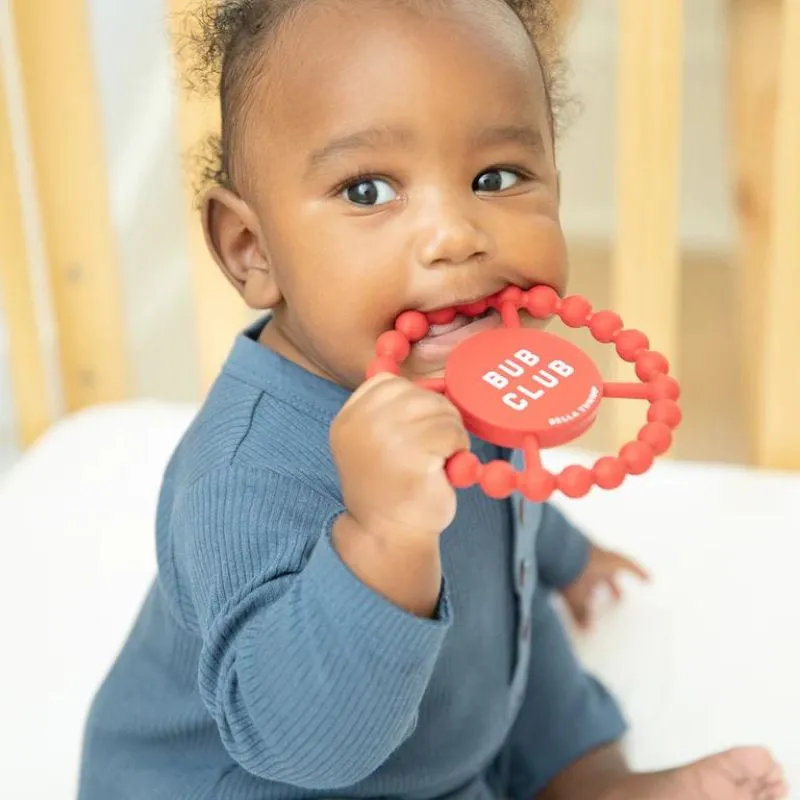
(511, 383)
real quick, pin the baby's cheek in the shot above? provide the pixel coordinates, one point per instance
(530, 251)
(555, 257)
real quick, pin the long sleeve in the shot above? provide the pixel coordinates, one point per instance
(562, 549)
(566, 712)
(312, 678)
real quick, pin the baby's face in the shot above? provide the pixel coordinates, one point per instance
(399, 160)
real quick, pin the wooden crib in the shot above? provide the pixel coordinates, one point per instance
(58, 260)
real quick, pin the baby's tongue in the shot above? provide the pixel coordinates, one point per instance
(439, 330)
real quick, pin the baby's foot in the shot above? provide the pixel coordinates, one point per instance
(745, 773)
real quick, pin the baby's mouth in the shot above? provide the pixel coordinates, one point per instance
(458, 322)
(449, 327)
(448, 331)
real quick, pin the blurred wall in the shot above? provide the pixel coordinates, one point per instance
(135, 80)
(588, 150)
(131, 51)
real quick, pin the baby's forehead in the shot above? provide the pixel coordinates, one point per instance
(350, 59)
(337, 66)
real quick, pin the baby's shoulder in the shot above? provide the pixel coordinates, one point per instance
(245, 429)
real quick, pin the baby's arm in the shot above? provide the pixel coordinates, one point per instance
(313, 678)
(562, 550)
(568, 722)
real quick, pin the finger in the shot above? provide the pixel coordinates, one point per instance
(443, 437)
(383, 382)
(414, 403)
(423, 404)
(626, 564)
(776, 791)
(775, 784)
(616, 591)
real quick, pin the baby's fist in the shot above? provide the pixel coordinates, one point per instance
(390, 443)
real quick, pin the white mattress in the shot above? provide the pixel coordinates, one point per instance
(706, 657)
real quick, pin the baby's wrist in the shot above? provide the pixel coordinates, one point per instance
(391, 534)
(406, 570)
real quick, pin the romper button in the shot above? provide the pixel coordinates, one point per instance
(524, 570)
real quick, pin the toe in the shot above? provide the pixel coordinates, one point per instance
(774, 786)
(754, 762)
(754, 771)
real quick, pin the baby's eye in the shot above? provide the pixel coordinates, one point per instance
(495, 180)
(369, 192)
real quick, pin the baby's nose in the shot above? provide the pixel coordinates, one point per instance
(450, 236)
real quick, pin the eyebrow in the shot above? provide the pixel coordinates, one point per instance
(529, 137)
(368, 139)
(384, 137)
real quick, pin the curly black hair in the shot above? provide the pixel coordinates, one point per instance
(225, 41)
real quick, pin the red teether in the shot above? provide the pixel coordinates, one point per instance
(528, 389)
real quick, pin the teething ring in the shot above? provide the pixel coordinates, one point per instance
(528, 389)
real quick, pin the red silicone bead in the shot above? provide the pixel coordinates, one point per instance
(657, 436)
(383, 365)
(666, 411)
(393, 345)
(663, 387)
(499, 479)
(605, 325)
(649, 364)
(413, 325)
(474, 309)
(511, 294)
(541, 301)
(537, 486)
(575, 481)
(638, 457)
(630, 344)
(575, 311)
(463, 469)
(444, 316)
(609, 472)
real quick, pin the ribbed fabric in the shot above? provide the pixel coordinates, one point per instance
(261, 667)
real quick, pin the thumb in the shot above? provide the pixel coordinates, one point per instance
(620, 563)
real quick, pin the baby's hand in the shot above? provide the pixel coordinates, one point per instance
(390, 443)
(602, 569)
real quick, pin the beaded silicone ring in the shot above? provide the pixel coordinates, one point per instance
(528, 389)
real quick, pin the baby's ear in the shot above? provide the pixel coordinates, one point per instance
(233, 236)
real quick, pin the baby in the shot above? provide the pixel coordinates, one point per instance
(330, 618)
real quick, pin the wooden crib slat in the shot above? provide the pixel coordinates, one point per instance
(778, 424)
(219, 310)
(754, 35)
(28, 374)
(646, 266)
(68, 150)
